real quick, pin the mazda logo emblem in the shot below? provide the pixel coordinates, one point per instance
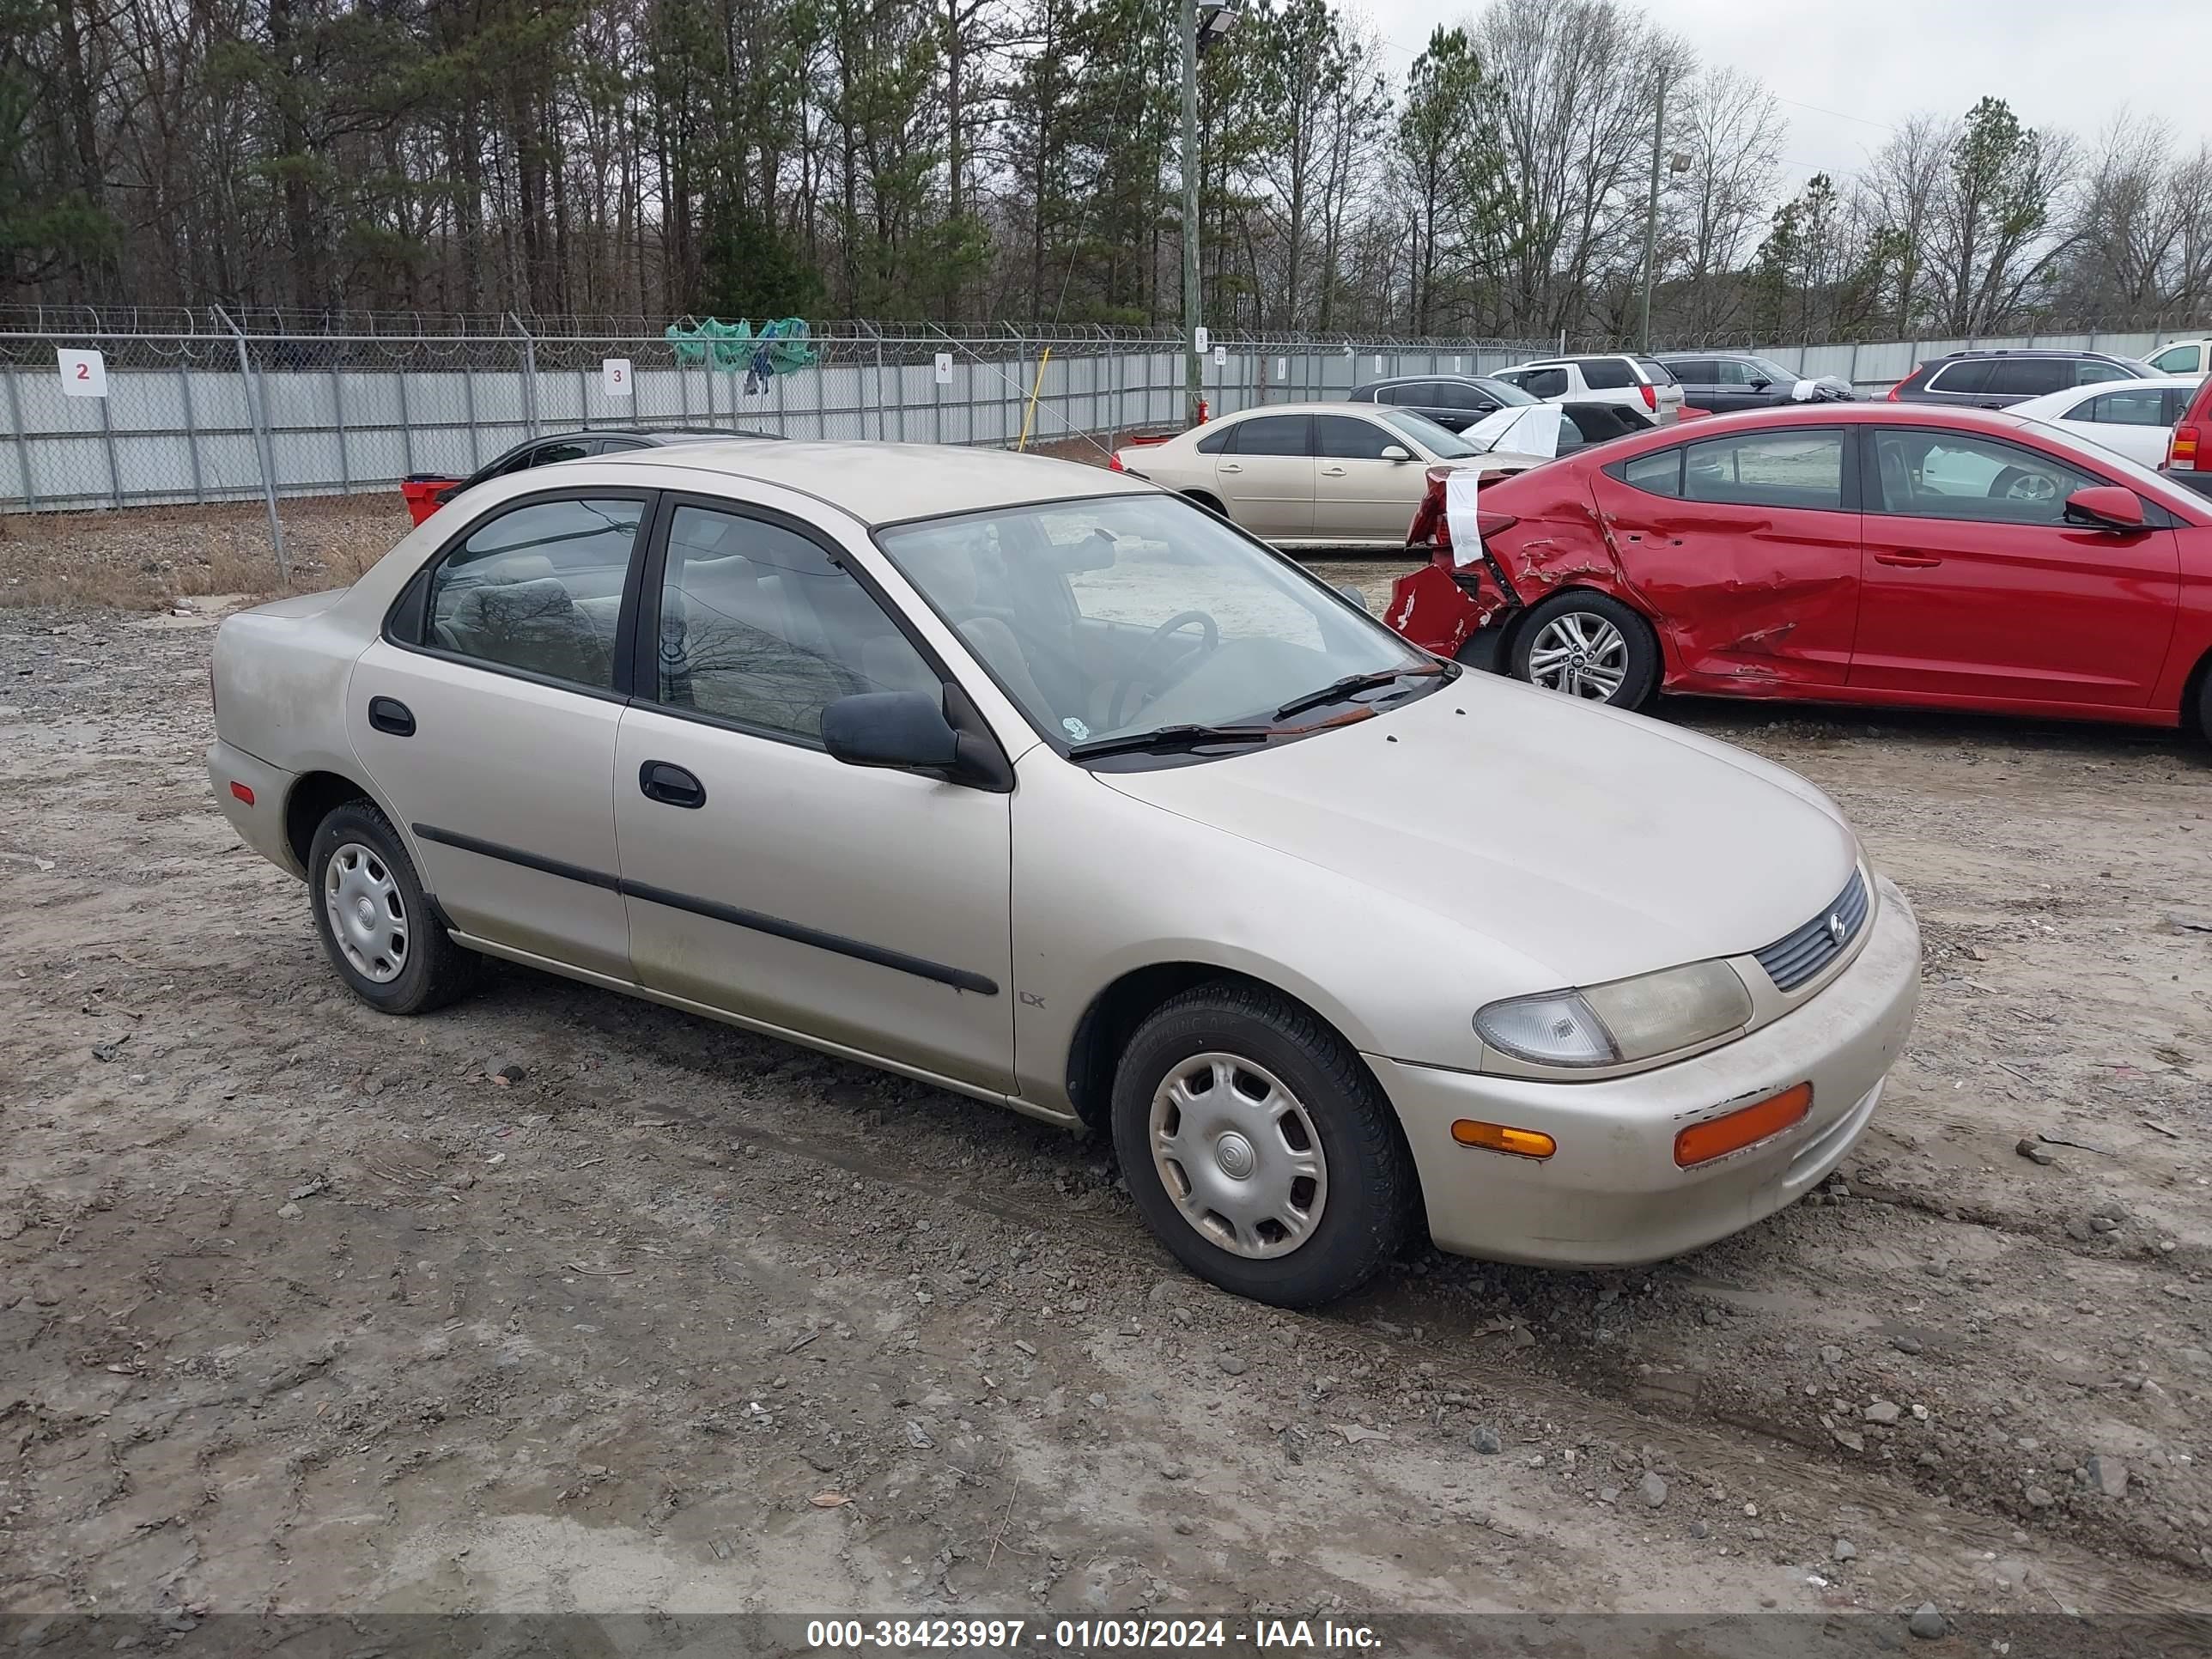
(1836, 929)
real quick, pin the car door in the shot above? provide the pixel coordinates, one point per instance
(1360, 495)
(1962, 381)
(1455, 405)
(1700, 381)
(2134, 420)
(1746, 549)
(486, 715)
(1975, 587)
(1266, 477)
(862, 908)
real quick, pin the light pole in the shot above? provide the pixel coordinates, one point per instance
(1191, 370)
(1651, 205)
(1205, 22)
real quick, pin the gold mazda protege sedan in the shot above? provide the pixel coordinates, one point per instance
(1037, 783)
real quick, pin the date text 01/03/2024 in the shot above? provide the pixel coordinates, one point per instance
(1083, 1636)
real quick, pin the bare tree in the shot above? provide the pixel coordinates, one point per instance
(1730, 128)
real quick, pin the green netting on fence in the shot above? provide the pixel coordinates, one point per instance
(779, 347)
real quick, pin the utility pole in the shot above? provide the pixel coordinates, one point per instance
(1191, 373)
(1651, 206)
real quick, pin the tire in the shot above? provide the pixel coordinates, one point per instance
(1301, 1101)
(385, 942)
(1619, 654)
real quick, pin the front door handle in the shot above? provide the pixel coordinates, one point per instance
(1908, 560)
(390, 715)
(1331, 473)
(671, 785)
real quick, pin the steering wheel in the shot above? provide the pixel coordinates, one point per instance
(1209, 642)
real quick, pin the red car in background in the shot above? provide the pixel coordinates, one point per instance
(1853, 553)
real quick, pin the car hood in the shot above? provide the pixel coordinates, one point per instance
(1593, 843)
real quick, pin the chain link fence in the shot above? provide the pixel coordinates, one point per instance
(140, 407)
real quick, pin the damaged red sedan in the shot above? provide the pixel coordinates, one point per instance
(1891, 553)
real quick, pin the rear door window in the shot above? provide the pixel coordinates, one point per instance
(2145, 407)
(2090, 371)
(2029, 377)
(1275, 434)
(538, 589)
(1791, 469)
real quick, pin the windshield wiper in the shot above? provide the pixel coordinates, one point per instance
(1339, 689)
(1170, 737)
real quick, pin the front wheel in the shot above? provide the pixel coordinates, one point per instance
(1587, 646)
(1259, 1148)
(374, 919)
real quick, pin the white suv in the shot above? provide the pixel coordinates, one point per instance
(2189, 358)
(1642, 386)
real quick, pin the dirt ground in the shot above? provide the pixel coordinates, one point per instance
(557, 1301)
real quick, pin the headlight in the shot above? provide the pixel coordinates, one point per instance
(1630, 1020)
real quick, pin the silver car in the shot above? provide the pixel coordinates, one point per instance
(1037, 783)
(1315, 475)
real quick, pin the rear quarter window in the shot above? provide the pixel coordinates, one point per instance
(1968, 377)
(1659, 473)
(1607, 373)
(1656, 372)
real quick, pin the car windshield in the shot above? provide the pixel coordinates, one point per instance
(1122, 615)
(1505, 391)
(1774, 372)
(1442, 443)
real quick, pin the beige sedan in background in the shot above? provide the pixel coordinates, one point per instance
(1037, 783)
(1313, 475)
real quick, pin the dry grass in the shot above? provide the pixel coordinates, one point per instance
(147, 558)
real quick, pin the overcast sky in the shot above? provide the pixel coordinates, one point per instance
(2065, 64)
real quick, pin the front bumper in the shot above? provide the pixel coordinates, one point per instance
(1611, 1194)
(260, 822)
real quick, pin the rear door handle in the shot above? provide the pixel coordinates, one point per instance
(671, 785)
(1908, 560)
(1229, 466)
(390, 715)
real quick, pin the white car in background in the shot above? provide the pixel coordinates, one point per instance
(2134, 418)
(1644, 385)
(2192, 358)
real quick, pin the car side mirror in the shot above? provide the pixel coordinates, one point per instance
(1760, 385)
(889, 728)
(2106, 506)
(1392, 452)
(1352, 595)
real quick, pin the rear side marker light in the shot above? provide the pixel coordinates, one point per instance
(242, 792)
(1701, 1143)
(1502, 1138)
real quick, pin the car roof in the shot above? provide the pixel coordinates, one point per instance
(2037, 351)
(880, 484)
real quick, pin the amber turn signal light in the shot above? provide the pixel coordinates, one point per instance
(1701, 1143)
(1502, 1138)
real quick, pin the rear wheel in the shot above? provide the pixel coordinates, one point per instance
(1587, 646)
(1259, 1148)
(374, 919)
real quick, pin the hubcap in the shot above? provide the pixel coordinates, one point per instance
(2032, 486)
(367, 917)
(1238, 1153)
(1581, 653)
